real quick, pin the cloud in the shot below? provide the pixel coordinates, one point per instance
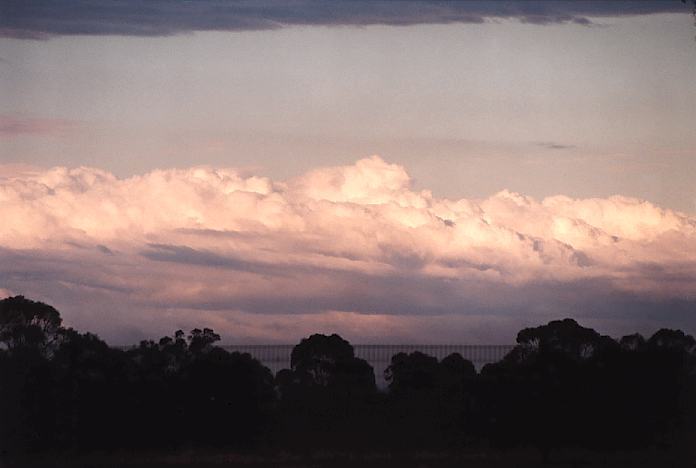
(11, 126)
(47, 18)
(356, 247)
(554, 146)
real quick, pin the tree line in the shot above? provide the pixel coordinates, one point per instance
(563, 385)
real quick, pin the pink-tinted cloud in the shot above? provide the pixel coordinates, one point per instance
(352, 248)
(11, 126)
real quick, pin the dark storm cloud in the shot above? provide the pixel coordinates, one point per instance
(116, 299)
(44, 19)
(187, 255)
(69, 270)
(184, 255)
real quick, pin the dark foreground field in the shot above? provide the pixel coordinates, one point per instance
(517, 458)
(563, 396)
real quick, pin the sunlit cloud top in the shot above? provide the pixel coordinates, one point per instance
(246, 253)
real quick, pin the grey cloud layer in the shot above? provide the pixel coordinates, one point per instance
(353, 249)
(43, 19)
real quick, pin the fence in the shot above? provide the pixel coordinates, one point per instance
(277, 357)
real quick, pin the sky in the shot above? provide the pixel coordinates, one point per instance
(444, 172)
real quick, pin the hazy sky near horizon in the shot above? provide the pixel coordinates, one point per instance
(195, 170)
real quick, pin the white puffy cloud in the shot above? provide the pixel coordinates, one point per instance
(356, 246)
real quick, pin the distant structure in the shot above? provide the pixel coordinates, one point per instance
(277, 357)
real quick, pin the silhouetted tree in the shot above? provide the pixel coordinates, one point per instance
(430, 401)
(412, 402)
(563, 385)
(412, 372)
(563, 337)
(457, 386)
(202, 341)
(632, 342)
(228, 398)
(192, 391)
(89, 387)
(25, 323)
(538, 393)
(567, 385)
(328, 392)
(320, 359)
(29, 332)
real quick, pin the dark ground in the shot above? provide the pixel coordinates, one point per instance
(206, 459)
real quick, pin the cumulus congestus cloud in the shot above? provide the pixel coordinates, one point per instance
(354, 249)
